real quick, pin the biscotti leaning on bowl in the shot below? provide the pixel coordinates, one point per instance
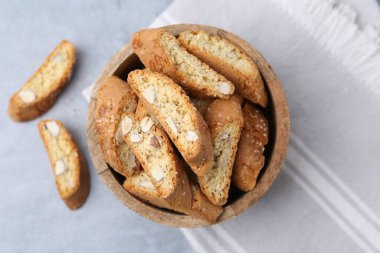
(40, 92)
(115, 97)
(69, 166)
(191, 128)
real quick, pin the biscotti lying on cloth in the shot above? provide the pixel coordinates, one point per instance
(40, 92)
(69, 167)
(190, 130)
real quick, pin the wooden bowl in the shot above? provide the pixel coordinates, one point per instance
(277, 112)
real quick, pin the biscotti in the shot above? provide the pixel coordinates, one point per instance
(115, 97)
(140, 185)
(69, 167)
(154, 150)
(230, 61)
(225, 120)
(40, 92)
(176, 114)
(249, 157)
(160, 51)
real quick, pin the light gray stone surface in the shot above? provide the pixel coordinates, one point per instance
(32, 217)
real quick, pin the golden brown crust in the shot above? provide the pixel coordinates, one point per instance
(198, 154)
(115, 97)
(19, 110)
(147, 45)
(224, 118)
(249, 157)
(77, 195)
(249, 85)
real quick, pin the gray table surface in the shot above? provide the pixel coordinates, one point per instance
(32, 217)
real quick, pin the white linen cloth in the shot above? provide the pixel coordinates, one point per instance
(326, 199)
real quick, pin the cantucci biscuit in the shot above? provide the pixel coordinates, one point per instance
(154, 150)
(160, 51)
(249, 157)
(176, 114)
(115, 97)
(230, 61)
(225, 120)
(69, 167)
(40, 92)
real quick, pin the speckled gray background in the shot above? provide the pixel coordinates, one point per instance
(32, 217)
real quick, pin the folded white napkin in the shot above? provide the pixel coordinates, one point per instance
(326, 199)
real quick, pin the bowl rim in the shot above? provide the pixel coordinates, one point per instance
(280, 142)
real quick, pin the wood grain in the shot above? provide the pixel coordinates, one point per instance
(277, 112)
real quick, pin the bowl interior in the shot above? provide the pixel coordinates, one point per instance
(276, 112)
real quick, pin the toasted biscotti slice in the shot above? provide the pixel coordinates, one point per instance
(176, 114)
(140, 185)
(230, 61)
(115, 97)
(249, 157)
(160, 51)
(225, 120)
(41, 90)
(154, 150)
(69, 167)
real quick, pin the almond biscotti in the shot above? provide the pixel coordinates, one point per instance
(230, 61)
(249, 157)
(173, 109)
(140, 185)
(115, 97)
(225, 120)
(154, 150)
(160, 51)
(40, 92)
(69, 167)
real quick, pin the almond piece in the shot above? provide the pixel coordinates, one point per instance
(27, 96)
(224, 137)
(135, 137)
(191, 136)
(59, 167)
(53, 128)
(126, 125)
(146, 124)
(172, 125)
(224, 88)
(155, 142)
(157, 174)
(149, 94)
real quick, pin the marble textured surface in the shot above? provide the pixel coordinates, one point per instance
(32, 217)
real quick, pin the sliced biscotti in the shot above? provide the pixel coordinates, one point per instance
(230, 61)
(154, 150)
(140, 185)
(69, 167)
(115, 97)
(41, 90)
(249, 157)
(176, 114)
(225, 120)
(201, 206)
(160, 51)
